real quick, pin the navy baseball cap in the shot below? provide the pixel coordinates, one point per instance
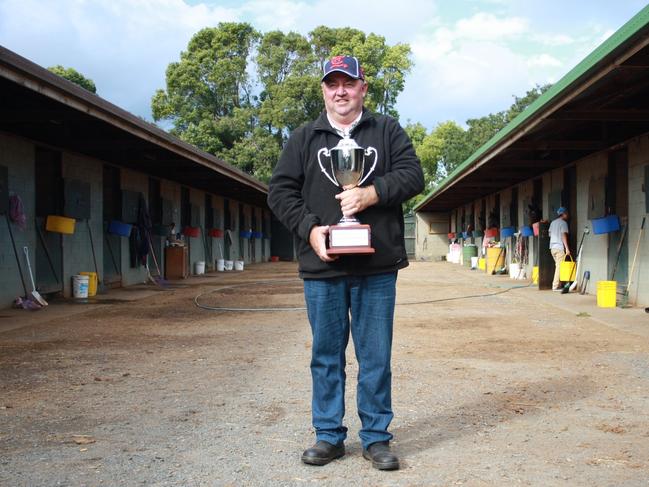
(343, 64)
(562, 210)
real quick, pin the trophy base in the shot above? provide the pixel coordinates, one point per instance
(349, 239)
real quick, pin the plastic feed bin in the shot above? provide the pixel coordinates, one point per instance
(60, 224)
(119, 228)
(607, 224)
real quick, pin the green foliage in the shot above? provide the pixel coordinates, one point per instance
(75, 76)
(238, 93)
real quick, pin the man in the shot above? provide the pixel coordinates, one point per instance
(559, 246)
(362, 286)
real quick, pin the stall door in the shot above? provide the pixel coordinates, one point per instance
(227, 225)
(617, 202)
(47, 257)
(112, 210)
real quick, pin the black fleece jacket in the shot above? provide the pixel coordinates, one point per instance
(302, 197)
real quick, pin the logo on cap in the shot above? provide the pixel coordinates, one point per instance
(339, 62)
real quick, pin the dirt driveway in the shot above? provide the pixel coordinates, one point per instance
(500, 390)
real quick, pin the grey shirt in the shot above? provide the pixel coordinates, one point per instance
(557, 228)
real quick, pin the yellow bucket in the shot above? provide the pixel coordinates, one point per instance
(92, 282)
(60, 224)
(567, 270)
(606, 294)
(535, 274)
(481, 264)
(495, 259)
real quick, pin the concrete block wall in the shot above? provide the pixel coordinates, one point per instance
(525, 193)
(595, 250)
(217, 243)
(77, 248)
(638, 159)
(138, 182)
(431, 237)
(196, 245)
(17, 155)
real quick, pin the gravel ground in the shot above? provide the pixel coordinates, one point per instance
(490, 391)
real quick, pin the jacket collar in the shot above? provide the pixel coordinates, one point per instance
(322, 123)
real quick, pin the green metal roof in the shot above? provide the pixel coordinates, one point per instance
(608, 48)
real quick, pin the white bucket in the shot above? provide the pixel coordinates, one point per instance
(515, 271)
(80, 286)
(220, 265)
(199, 267)
(238, 265)
(228, 265)
(474, 262)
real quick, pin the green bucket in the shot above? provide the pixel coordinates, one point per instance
(469, 251)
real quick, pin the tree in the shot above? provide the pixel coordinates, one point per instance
(448, 145)
(235, 92)
(208, 96)
(75, 76)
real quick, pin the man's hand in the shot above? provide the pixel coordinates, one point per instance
(318, 242)
(354, 199)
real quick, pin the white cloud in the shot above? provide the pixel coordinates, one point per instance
(486, 26)
(124, 46)
(543, 60)
(554, 39)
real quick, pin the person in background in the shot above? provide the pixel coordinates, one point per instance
(559, 246)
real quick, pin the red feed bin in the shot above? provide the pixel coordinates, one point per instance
(191, 232)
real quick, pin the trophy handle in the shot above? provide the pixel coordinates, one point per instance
(326, 153)
(368, 151)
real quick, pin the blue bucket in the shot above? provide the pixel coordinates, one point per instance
(527, 231)
(118, 228)
(507, 232)
(607, 224)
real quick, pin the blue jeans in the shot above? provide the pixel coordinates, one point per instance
(370, 302)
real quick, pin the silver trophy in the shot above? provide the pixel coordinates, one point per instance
(347, 162)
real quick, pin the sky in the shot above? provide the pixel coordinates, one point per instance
(470, 56)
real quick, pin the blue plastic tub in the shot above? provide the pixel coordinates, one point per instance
(119, 228)
(507, 232)
(244, 234)
(607, 224)
(527, 232)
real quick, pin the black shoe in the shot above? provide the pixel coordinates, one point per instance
(381, 456)
(322, 453)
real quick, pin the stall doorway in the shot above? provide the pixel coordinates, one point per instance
(47, 257)
(617, 203)
(227, 225)
(112, 210)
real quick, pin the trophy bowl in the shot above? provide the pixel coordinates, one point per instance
(347, 166)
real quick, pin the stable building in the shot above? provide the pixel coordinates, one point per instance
(95, 170)
(584, 145)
